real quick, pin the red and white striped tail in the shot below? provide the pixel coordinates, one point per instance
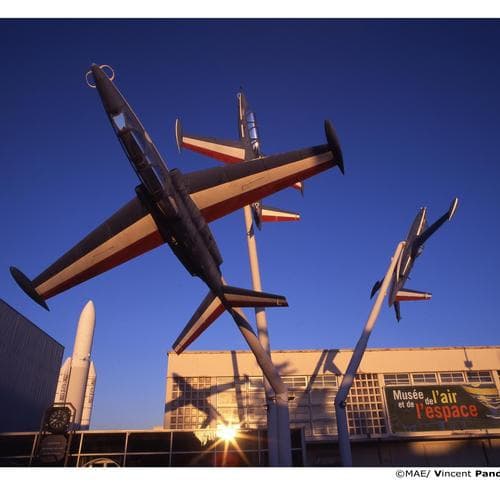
(208, 311)
(410, 295)
(211, 308)
(270, 214)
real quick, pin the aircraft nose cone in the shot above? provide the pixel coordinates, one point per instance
(112, 100)
(97, 72)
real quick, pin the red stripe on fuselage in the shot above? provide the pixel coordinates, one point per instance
(140, 247)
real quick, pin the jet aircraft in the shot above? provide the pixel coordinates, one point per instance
(247, 148)
(175, 208)
(415, 240)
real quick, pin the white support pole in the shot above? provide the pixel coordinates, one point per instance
(357, 355)
(278, 419)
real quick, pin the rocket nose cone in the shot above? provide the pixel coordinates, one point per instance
(88, 312)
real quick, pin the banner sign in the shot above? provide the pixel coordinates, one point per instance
(442, 407)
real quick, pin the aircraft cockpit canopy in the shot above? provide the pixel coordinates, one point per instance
(136, 141)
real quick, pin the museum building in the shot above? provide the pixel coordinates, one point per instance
(407, 406)
(30, 360)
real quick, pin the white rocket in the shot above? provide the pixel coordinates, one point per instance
(77, 376)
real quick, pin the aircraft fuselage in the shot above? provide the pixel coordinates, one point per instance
(411, 251)
(163, 192)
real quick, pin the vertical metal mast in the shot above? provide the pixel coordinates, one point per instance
(357, 355)
(278, 420)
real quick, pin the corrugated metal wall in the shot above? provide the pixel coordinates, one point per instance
(29, 367)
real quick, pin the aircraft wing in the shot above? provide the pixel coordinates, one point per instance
(216, 148)
(222, 190)
(421, 239)
(129, 232)
(222, 150)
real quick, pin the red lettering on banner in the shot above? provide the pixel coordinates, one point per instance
(418, 407)
(445, 412)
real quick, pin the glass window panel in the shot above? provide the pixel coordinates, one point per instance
(397, 379)
(452, 377)
(255, 383)
(151, 460)
(189, 442)
(256, 398)
(103, 443)
(424, 378)
(101, 460)
(193, 459)
(16, 445)
(479, 377)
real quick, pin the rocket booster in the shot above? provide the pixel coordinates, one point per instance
(62, 383)
(80, 361)
(89, 398)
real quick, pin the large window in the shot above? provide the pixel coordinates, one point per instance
(451, 377)
(158, 449)
(365, 411)
(397, 379)
(203, 402)
(479, 377)
(424, 378)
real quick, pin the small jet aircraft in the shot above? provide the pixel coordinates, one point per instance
(245, 149)
(174, 208)
(415, 240)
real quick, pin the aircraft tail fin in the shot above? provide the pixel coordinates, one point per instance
(408, 295)
(222, 150)
(211, 308)
(263, 213)
(411, 295)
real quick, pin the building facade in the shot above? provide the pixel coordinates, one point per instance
(29, 367)
(426, 406)
(149, 448)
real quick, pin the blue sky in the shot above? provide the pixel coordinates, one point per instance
(416, 106)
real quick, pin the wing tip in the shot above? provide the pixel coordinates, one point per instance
(375, 288)
(26, 285)
(334, 144)
(178, 134)
(453, 208)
